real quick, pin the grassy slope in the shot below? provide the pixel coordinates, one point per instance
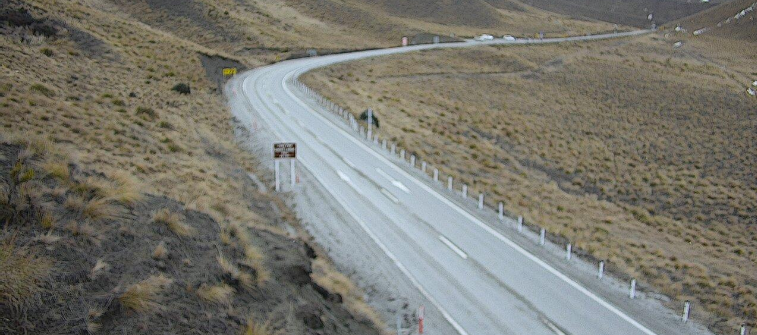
(100, 89)
(632, 150)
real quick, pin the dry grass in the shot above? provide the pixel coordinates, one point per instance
(160, 252)
(630, 149)
(22, 276)
(325, 275)
(99, 269)
(234, 274)
(219, 294)
(173, 222)
(256, 328)
(143, 297)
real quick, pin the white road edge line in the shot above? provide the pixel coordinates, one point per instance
(454, 248)
(390, 196)
(465, 213)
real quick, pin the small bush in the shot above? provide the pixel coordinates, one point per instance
(42, 89)
(182, 88)
(47, 52)
(165, 125)
(146, 112)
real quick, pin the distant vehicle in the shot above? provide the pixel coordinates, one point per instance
(484, 37)
(508, 38)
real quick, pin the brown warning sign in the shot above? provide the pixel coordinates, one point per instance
(284, 150)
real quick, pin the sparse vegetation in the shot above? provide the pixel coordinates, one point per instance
(172, 221)
(144, 296)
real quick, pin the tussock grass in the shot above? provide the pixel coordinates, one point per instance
(172, 221)
(325, 275)
(256, 328)
(160, 252)
(143, 297)
(99, 269)
(22, 275)
(234, 274)
(219, 294)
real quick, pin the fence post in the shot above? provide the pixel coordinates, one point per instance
(601, 272)
(542, 236)
(632, 292)
(686, 310)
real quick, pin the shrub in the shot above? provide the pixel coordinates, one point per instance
(42, 89)
(47, 52)
(182, 88)
(146, 112)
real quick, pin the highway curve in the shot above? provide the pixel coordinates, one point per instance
(478, 279)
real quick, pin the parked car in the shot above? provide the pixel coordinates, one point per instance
(508, 38)
(484, 37)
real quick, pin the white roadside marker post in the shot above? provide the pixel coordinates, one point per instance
(465, 191)
(601, 272)
(542, 236)
(449, 183)
(375, 139)
(423, 166)
(292, 173)
(436, 174)
(520, 224)
(394, 149)
(632, 292)
(402, 154)
(686, 310)
(276, 175)
(383, 144)
(481, 200)
(412, 161)
(568, 252)
(501, 211)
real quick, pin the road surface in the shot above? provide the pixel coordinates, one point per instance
(478, 279)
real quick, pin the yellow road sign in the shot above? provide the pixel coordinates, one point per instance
(229, 71)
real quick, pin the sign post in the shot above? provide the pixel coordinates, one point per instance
(284, 151)
(421, 317)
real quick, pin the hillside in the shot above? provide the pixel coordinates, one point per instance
(632, 13)
(125, 200)
(736, 20)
